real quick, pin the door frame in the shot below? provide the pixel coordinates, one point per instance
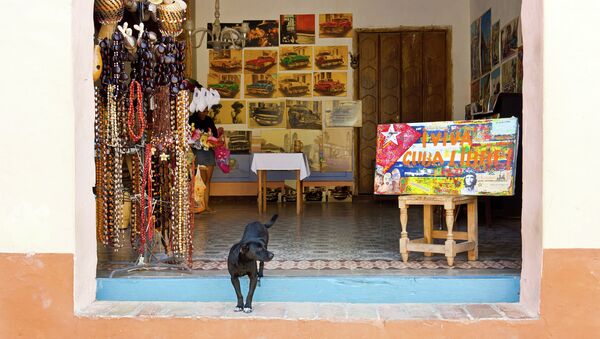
(356, 74)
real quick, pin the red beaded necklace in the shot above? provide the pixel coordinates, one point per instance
(133, 87)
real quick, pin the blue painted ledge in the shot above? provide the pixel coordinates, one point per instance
(355, 289)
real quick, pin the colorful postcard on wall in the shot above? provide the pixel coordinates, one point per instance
(335, 25)
(266, 114)
(475, 91)
(509, 37)
(337, 150)
(496, 43)
(295, 84)
(295, 58)
(258, 61)
(228, 85)
(496, 81)
(209, 26)
(238, 141)
(274, 140)
(343, 113)
(304, 114)
(263, 33)
(331, 57)
(330, 84)
(297, 29)
(475, 157)
(520, 70)
(509, 76)
(231, 113)
(312, 141)
(225, 61)
(484, 90)
(475, 50)
(486, 41)
(260, 85)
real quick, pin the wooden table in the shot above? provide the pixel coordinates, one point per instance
(263, 162)
(450, 248)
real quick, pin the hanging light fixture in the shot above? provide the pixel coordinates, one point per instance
(220, 38)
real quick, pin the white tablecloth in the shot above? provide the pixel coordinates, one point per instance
(281, 162)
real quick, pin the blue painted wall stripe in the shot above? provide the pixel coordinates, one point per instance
(365, 289)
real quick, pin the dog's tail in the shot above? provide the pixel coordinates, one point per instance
(272, 221)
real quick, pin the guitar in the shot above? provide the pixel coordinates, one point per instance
(97, 63)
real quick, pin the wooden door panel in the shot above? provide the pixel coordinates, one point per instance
(389, 72)
(412, 80)
(434, 76)
(369, 94)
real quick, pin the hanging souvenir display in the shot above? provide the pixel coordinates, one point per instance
(141, 117)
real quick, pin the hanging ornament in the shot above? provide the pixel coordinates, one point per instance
(171, 18)
(108, 11)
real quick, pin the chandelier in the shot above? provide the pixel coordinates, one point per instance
(220, 37)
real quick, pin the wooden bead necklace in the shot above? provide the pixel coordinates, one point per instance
(131, 114)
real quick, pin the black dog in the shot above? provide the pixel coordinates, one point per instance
(243, 257)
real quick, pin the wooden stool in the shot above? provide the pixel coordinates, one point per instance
(425, 244)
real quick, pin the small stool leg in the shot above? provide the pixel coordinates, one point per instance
(427, 225)
(472, 229)
(404, 235)
(450, 242)
(260, 185)
(264, 201)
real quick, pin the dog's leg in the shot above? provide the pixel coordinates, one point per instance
(235, 281)
(253, 281)
(261, 267)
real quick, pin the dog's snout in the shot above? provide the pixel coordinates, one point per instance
(270, 255)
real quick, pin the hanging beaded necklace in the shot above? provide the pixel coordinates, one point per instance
(131, 114)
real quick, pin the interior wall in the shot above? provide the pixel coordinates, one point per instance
(366, 14)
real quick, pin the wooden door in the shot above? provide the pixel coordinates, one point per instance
(402, 77)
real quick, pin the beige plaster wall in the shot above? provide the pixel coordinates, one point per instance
(366, 14)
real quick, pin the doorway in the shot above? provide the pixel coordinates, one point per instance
(404, 75)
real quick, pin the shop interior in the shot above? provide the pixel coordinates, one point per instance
(317, 83)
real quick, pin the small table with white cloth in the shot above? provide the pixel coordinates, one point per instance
(263, 162)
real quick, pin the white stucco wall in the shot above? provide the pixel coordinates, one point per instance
(366, 14)
(571, 121)
(37, 162)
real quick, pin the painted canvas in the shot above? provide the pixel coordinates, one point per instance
(330, 83)
(496, 83)
(510, 38)
(475, 50)
(209, 26)
(297, 29)
(228, 85)
(475, 157)
(304, 114)
(238, 141)
(258, 61)
(263, 33)
(295, 84)
(496, 43)
(331, 57)
(475, 91)
(232, 113)
(312, 141)
(295, 58)
(260, 85)
(509, 76)
(225, 61)
(335, 25)
(486, 41)
(337, 150)
(484, 89)
(520, 70)
(266, 114)
(343, 113)
(273, 141)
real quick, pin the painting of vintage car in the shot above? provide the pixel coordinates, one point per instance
(260, 64)
(261, 87)
(293, 87)
(238, 141)
(343, 113)
(335, 25)
(327, 60)
(266, 114)
(293, 60)
(329, 87)
(304, 114)
(226, 88)
(228, 61)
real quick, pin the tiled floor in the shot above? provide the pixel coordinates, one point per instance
(362, 235)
